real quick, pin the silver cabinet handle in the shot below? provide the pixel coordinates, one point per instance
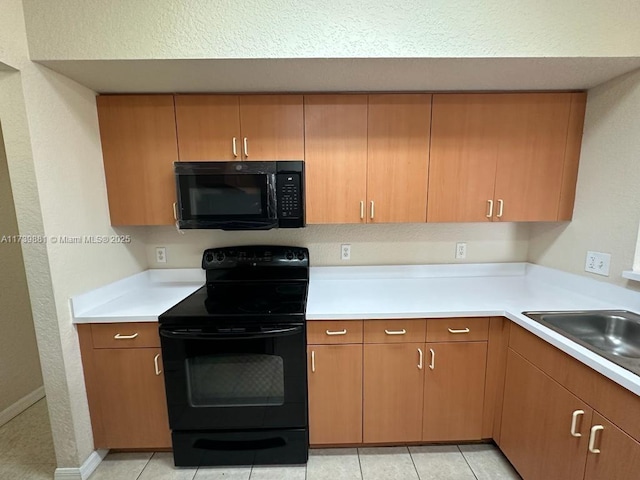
(337, 332)
(490, 213)
(592, 438)
(574, 421)
(395, 332)
(361, 209)
(175, 211)
(235, 148)
(372, 209)
(245, 143)
(421, 358)
(462, 330)
(432, 365)
(155, 363)
(117, 336)
(313, 361)
(500, 208)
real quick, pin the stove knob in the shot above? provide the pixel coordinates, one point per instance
(289, 255)
(220, 256)
(208, 257)
(300, 256)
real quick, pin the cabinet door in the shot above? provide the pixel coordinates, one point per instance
(273, 126)
(393, 388)
(335, 158)
(619, 455)
(398, 159)
(139, 146)
(208, 127)
(462, 165)
(335, 394)
(133, 405)
(531, 152)
(454, 391)
(536, 424)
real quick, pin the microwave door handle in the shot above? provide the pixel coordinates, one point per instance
(186, 335)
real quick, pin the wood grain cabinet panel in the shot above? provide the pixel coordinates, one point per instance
(536, 432)
(329, 332)
(139, 146)
(504, 156)
(454, 391)
(393, 389)
(125, 335)
(398, 157)
(619, 456)
(457, 329)
(125, 390)
(335, 394)
(395, 331)
(335, 130)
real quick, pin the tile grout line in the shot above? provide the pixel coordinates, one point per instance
(467, 462)
(414, 464)
(145, 466)
(359, 464)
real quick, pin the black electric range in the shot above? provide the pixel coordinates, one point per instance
(234, 355)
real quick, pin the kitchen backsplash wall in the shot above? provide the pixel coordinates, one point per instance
(607, 206)
(370, 244)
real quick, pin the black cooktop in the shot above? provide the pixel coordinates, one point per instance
(256, 284)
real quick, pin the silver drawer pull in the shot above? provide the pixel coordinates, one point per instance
(156, 365)
(338, 332)
(462, 330)
(117, 336)
(395, 332)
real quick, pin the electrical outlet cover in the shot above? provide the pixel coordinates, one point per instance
(598, 263)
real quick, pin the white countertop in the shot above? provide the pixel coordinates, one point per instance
(419, 291)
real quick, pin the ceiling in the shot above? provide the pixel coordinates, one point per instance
(343, 74)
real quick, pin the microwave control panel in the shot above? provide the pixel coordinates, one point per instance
(289, 196)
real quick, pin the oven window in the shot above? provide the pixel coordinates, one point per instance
(232, 380)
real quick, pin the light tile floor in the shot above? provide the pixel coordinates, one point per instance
(26, 453)
(437, 462)
(26, 446)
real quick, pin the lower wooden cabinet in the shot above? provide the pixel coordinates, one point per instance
(536, 432)
(554, 421)
(125, 385)
(454, 390)
(619, 456)
(335, 394)
(393, 386)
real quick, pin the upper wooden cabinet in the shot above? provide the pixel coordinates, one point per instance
(367, 157)
(139, 146)
(398, 157)
(504, 156)
(335, 131)
(240, 127)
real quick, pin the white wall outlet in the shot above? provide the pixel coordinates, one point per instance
(461, 250)
(161, 254)
(345, 251)
(598, 263)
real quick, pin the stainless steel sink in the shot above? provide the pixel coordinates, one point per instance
(613, 334)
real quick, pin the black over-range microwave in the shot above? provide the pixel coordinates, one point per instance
(240, 195)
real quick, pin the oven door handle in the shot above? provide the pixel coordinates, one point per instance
(186, 335)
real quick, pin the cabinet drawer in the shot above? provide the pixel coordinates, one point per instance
(394, 331)
(125, 335)
(328, 332)
(457, 329)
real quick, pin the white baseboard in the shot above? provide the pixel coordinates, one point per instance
(85, 471)
(21, 405)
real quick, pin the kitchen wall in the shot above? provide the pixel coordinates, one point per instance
(370, 244)
(20, 373)
(607, 208)
(53, 154)
(166, 29)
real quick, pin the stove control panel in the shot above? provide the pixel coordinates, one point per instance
(255, 256)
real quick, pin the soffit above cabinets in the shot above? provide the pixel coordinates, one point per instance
(343, 74)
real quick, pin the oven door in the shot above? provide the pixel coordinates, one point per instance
(226, 195)
(244, 377)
